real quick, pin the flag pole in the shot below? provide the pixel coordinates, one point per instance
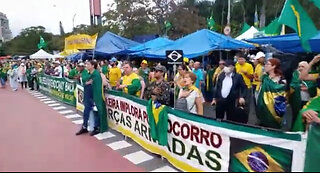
(229, 12)
(283, 30)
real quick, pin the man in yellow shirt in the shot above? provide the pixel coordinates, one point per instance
(131, 81)
(246, 71)
(258, 72)
(114, 73)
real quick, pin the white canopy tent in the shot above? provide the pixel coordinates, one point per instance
(58, 55)
(248, 34)
(41, 54)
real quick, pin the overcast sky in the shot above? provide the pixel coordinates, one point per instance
(48, 13)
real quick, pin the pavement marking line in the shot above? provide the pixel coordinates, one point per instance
(165, 169)
(73, 116)
(43, 100)
(38, 95)
(66, 112)
(50, 102)
(105, 135)
(43, 97)
(59, 108)
(78, 122)
(138, 157)
(119, 145)
(55, 104)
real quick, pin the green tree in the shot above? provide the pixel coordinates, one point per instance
(26, 42)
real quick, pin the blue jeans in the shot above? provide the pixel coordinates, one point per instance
(86, 115)
(2, 82)
(96, 120)
(88, 104)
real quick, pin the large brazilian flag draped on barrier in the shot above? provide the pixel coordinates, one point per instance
(271, 105)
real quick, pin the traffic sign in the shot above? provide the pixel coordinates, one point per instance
(227, 30)
(174, 57)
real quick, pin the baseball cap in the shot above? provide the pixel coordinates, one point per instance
(113, 59)
(81, 64)
(160, 68)
(144, 62)
(186, 60)
(259, 55)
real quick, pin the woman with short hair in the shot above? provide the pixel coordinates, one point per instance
(192, 94)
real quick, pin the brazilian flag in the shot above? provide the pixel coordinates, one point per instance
(246, 156)
(271, 105)
(256, 158)
(295, 93)
(211, 23)
(312, 152)
(158, 122)
(312, 105)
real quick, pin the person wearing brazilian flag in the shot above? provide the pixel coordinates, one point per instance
(98, 98)
(271, 104)
(83, 77)
(310, 113)
(300, 91)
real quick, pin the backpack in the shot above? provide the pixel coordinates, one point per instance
(182, 104)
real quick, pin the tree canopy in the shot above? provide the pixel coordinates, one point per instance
(139, 17)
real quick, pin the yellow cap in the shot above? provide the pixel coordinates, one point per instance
(144, 62)
(185, 59)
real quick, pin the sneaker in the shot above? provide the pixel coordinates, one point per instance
(82, 131)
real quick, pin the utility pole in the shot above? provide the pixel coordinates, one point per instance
(229, 12)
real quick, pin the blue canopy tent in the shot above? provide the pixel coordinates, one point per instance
(153, 44)
(78, 56)
(198, 44)
(289, 43)
(111, 44)
(144, 38)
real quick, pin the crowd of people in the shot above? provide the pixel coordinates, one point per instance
(231, 86)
